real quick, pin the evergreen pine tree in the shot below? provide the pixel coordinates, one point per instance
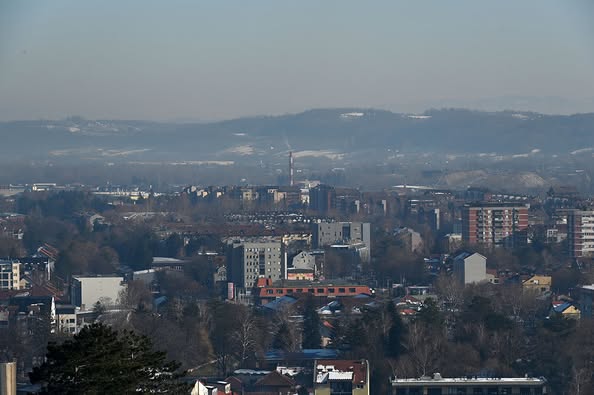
(311, 325)
(100, 360)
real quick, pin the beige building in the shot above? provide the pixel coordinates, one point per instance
(10, 275)
(341, 377)
(539, 284)
(88, 290)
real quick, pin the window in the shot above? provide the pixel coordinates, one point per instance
(299, 290)
(269, 291)
(341, 290)
(320, 290)
(352, 290)
(330, 290)
(311, 290)
(279, 291)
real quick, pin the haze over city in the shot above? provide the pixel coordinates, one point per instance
(297, 198)
(220, 60)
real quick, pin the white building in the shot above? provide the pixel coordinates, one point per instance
(10, 275)
(580, 233)
(88, 290)
(470, 268)
(304, 261)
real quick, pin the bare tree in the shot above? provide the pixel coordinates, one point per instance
(451, 291)
(424, 347)
(245, 337)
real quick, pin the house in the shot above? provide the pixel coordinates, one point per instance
(304, 260)
(537, 284)
(341, 376)
(492, 276)
(204, 389)
(470, 268)
(565, 310)
(275, 383)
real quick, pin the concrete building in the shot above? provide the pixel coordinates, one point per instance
(580, 233)
(438, 385)
(329, 233)
(87, 290)
(411, 239)
(470, 268)
(322, 198)
(10, 275)
(495, 224)
(343, 377)
(66, 319)
(248, 260)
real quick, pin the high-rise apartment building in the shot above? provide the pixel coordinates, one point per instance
(580, 233)
(495, 224)
(249, 260)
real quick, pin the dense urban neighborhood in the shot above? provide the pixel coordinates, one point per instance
(305, 288)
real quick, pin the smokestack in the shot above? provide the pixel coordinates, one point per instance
(291, 169)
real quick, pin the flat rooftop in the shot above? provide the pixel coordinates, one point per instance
(470, 381)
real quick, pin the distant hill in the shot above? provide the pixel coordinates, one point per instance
(324, 133)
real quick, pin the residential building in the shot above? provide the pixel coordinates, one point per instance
(66, 319)
(495, 224)
(86, 291)
(322, 198)
(470, 268)
(538, 284)
(341, 377)
(10, 275)
(586, 300)
(410, 238)
(304, 260)
(327, 233)
(580, 233)
(248, 260)
(300, 274)
(356, 234)
(470, 385)
(565, 310)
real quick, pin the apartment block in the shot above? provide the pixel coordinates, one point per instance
(495, 224)
(248, 260)
(580, 233)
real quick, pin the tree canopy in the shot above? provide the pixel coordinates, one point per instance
(102, 360)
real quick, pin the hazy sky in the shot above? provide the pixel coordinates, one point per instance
(219, 59)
